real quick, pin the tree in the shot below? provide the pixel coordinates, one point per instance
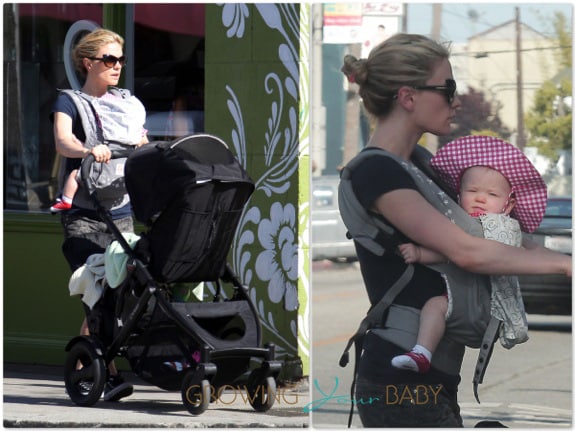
(549, 121)
(476, 115)
(564, 37)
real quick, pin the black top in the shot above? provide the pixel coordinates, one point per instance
(374, 177)
(65, 105)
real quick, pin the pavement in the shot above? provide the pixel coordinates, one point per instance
(35, 397)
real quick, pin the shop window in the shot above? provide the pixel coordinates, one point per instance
(168, 59)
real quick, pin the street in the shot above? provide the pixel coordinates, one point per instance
(528, 386)
(35, 397)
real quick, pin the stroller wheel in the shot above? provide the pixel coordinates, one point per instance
(195, 396)
(262, 396)
(84, 374)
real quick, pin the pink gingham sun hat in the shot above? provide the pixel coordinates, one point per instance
(527, 184)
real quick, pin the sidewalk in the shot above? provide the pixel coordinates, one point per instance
(34, 397)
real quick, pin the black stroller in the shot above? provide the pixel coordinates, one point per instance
(190, 194)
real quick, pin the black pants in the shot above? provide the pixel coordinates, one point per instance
(84, 236)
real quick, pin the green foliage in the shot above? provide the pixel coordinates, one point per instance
(549, 121)
(564, 40)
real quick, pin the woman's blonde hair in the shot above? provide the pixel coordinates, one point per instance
(90, 44)
(402, 60)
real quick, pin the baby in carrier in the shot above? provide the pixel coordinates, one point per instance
(118, 118)
(497, 184)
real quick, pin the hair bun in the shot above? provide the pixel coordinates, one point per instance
(354, 69)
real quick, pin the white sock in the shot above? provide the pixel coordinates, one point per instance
(418, 348)
(66, 199)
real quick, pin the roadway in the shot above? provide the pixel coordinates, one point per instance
(528, 386)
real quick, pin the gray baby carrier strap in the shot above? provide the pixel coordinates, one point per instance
(468, 324)
(108, 177)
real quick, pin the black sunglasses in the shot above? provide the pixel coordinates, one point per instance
(448, 89)
(111, 60)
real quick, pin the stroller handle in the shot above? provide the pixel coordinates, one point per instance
(85, 168)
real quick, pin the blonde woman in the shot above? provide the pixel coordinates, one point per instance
(407, 85)
(99, 58)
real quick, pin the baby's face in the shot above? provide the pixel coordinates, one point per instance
(485, 190)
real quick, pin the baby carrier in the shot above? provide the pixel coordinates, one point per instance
(108, 177)
(470, 322)
(189, 194)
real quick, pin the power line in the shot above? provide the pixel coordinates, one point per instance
(475, 21)
(480, 54)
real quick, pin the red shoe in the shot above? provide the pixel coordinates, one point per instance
(60, 206)
(412, 361)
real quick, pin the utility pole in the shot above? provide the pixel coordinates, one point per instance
(520, 132)
(405, 9)
(318, 145)
(436, 23)
(431, 141)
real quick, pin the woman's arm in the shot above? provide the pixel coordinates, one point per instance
(69, 146)
(529, 244)
(66, 143)
(409, 212)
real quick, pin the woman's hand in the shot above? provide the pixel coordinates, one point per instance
(101, 153)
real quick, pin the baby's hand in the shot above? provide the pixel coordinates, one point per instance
(410, 252)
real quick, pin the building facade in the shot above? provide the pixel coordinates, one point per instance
(492, 67)
(242, 70)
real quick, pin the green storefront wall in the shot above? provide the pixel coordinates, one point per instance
(39, 315)
(257, 94)
(257, 87)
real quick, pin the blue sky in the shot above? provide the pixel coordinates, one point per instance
(457, 26)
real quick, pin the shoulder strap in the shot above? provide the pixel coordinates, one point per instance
(485, 351)
(364, 227)
(375, 314)
(89, 117)
(374, 318)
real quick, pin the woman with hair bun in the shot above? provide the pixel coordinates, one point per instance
(407, 86)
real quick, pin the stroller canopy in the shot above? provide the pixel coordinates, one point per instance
(157, 172)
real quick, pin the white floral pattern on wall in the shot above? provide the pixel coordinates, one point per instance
(277, 264)
(273, 226)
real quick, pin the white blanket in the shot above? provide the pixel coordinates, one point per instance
(101, 268)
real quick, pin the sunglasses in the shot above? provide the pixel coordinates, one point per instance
(110, 60)
(448, 89)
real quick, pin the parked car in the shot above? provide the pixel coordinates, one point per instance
(328, 233)
(551, 294)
